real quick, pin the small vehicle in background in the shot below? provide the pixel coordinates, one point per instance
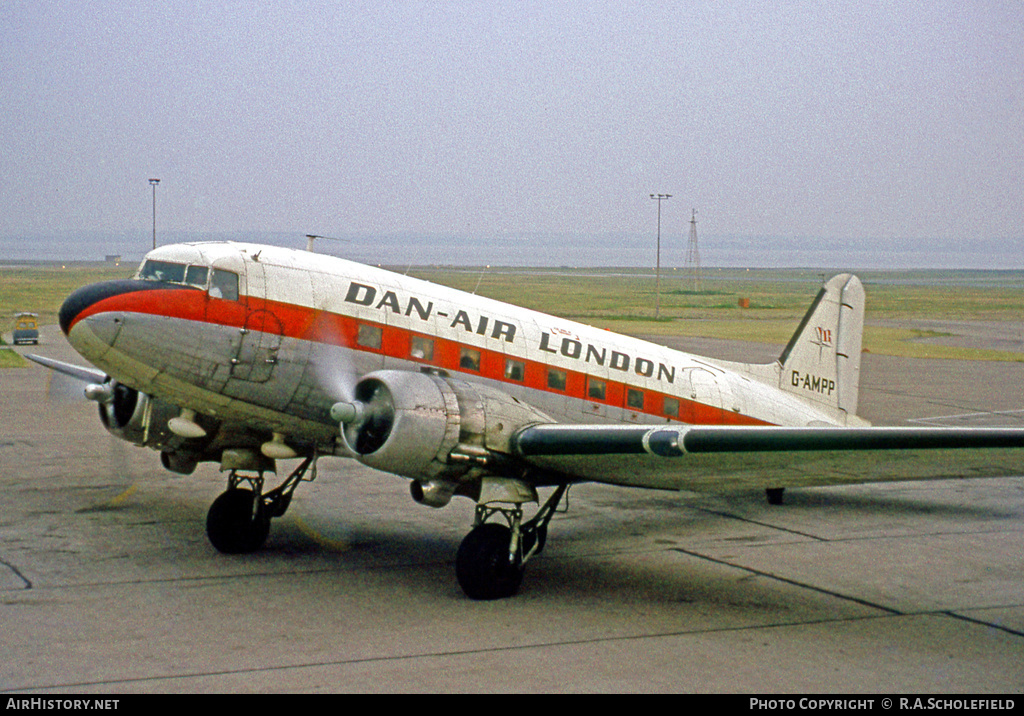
(26, 328)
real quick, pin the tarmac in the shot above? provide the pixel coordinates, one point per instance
(108, 584)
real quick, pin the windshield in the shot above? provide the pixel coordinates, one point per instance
(170, 272)
(163, 271)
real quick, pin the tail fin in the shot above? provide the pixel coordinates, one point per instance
(821, 363)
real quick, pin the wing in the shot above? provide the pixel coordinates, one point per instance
(89, 375)
(738, 458)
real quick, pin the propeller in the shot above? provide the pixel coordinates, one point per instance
(363, 408)
(367, 419)
(64, 386)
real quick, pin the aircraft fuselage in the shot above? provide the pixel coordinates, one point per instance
(272, 337)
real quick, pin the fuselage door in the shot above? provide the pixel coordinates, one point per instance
(226, 315)
(261, 332)
(706, 408)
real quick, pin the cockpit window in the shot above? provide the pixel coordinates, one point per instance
(224, 285)
(171, 272)
(196, 276)
(163, 271)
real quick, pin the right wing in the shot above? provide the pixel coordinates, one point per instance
(730, 458)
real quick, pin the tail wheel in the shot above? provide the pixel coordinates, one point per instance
(236, 522)
(483, 565)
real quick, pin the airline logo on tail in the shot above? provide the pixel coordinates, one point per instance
(806, 381)
(822, 339)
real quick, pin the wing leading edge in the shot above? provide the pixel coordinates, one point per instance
(89, 375)
(672, 441)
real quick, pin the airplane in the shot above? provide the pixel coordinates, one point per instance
(245, 355)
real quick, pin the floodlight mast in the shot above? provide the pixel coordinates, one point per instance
(657, 293)
(153, 183)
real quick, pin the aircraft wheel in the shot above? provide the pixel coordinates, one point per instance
(235, 524)
(482, 564)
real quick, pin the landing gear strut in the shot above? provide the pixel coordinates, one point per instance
(490, 561)
(239, 519)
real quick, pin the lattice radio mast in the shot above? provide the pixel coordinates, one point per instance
(692, 267)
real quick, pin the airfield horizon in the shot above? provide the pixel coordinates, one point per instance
(915, 313)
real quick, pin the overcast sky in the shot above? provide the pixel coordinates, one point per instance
(899, 121)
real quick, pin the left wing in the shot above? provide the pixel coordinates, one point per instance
(730, 458)
(89, 375)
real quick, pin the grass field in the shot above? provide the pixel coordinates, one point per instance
(41, 289)
(10, 359)
(623, 299)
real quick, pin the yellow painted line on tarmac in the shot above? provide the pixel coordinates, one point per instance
(337, 545)
(123, 497)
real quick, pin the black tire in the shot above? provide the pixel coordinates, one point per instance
(482, 564)
(235, 525)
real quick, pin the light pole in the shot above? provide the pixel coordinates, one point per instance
(153, 183)
(657, 296)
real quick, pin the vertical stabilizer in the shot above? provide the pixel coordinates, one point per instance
(821, 363)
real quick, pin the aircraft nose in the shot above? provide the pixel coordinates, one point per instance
(79, 303)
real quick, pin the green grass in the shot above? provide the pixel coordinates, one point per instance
(10, 359)
(41, 289)
(778, 300)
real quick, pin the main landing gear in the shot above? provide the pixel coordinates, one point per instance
(239, 519)
(490, 561)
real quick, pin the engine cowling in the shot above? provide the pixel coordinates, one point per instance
(133, 416)
(438, 430)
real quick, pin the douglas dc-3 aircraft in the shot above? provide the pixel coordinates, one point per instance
(245, 355)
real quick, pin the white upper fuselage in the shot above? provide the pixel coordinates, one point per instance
(303, 325)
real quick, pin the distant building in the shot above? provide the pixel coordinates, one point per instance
(113, 258)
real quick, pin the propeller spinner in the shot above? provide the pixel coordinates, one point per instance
(366, 421)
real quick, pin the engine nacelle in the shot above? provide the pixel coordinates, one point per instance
(433, 428)
(133, 416)
(183, 463)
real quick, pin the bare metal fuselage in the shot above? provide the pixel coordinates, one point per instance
(304, 327)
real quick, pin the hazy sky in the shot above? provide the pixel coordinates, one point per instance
(896, 120)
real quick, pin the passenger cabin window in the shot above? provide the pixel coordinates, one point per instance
(556, 379)
(515, 370)
(672, 407)
(421, 348)
(224, 285)
(469, 358)
(634, 399)
(370, 336)
(595, 389)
